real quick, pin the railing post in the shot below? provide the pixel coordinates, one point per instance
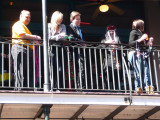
(45, 48)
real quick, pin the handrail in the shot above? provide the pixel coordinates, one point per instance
(93, 56)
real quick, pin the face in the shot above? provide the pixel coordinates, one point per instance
(142, 29)
(59, 21)
(77, 20)
(25, 18)
(111, 32)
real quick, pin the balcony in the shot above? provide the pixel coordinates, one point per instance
(80, 87)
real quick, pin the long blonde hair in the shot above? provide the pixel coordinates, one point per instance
(57, 15)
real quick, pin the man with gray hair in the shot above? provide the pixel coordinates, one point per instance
(19, 50)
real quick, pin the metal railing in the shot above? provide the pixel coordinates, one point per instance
(77, 66)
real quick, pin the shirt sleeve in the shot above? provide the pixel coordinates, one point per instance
(19, 29)
(132, 37)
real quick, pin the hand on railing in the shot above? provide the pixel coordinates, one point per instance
(144, 37)
(36, 39)
(62, 36)
(150, 43)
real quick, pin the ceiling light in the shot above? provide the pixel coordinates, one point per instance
(11, 3)
(104, 8)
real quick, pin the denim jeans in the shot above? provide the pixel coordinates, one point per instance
(141, 69)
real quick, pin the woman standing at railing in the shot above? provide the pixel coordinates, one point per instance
(56, 32)
(112, 64)
(137, 58)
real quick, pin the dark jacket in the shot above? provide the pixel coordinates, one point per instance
(73, 32)
(135, 34)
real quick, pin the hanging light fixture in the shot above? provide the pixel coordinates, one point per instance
(104, 8)
(11, 3)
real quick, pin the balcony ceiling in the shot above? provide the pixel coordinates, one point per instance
(71, 112)
(131, 10)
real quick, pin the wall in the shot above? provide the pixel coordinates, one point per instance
(152, 9)
(152, 21)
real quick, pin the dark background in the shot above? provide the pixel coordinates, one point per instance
(94, 32)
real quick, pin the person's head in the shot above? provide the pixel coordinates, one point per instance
(111, 29)
(25, 17)
(75, 18)
(138, 24)
(57, 18)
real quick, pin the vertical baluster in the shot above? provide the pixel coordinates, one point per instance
(117, 63)
(57, 63)
(90, 63)
(85, 68)
(28, 65)
(149, 65)
(106, 61)
(51, 66)
(124, 77)
(95, 57)
(69, 75)
(34, 68)
(9, 64)
(113, 77)
(140, 72)
(40, 74)
(63, 69)
(74, 66)
(21, 82)
(2, 64)
(155, 70)
(129, 71)
(101, 65)
(79, 64)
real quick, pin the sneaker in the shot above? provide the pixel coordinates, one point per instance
(149, 90)
(139, 90)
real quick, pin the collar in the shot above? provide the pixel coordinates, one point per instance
(74, 25)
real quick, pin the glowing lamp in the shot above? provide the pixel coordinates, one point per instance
(104, 8)
(11, 3)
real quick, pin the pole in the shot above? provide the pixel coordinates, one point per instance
(45, 48)
(46, 110)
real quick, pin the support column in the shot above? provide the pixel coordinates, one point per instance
(45, 48)
(0, 10)
(46, 110)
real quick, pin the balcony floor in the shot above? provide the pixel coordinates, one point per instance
(67, 105)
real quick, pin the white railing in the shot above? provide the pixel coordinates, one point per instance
(77, 66)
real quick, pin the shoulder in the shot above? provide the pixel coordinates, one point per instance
(17, 24)
(133, 31)
(62, 26)
(136, 31)
(49, 25)
(71, 26)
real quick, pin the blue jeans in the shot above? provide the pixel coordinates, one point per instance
(141, 69)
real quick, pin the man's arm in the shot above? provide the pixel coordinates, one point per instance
(28, 36)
